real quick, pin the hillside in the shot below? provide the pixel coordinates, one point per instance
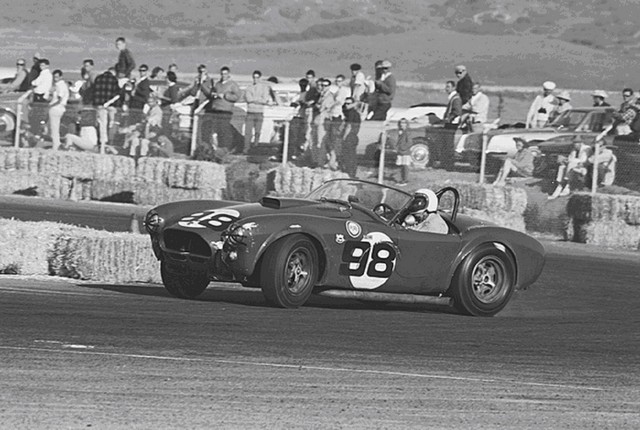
(585, 43)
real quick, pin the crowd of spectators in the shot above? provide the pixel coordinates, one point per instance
(126, 110)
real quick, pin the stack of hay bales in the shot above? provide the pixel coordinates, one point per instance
(90, 176)
(604, 219)
(47, 248)
(504, 206)
(104, 256)
(246, 182)
(26, 247)
(64, 175)
(162, 180)
(292, 181)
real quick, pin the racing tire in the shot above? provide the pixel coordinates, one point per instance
(289, 271)
(484, 282)
(183, 286)
(420, 155)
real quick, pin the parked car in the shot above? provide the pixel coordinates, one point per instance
(586, 122)
(345, 239)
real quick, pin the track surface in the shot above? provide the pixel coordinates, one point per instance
(563, 354)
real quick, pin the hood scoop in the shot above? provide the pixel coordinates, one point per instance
(283, 203)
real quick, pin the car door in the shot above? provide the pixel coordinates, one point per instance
(425, 259)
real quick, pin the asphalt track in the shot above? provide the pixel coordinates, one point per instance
(563, 354)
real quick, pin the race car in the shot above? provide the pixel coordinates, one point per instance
(348, 238)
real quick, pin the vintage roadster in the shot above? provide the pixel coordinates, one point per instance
(347, 238)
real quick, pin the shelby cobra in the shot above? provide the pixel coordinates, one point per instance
(345, 239)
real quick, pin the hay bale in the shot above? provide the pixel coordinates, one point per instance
(488, 197)
(292, 181)
(605, 207)
(614, 234)
(511, 220)
(103, 256)
(26, 247)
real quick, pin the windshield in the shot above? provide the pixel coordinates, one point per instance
(569, 119)
(367, 194)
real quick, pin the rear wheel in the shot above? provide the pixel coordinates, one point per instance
(484, 282)
(183, 285)
(420, 155)
(289, 271)
(7, 125)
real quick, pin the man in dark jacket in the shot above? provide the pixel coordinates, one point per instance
(385, 90)
(125, 64)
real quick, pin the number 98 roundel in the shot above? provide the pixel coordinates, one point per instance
(370, 262)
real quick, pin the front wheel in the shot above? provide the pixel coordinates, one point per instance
(289, 271)
(183, 286)
(484, 282)
(420, 155)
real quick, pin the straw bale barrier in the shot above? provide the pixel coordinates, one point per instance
(90, 176)
(26, 247)
(504, 206)
(48, 248)
(604, 219)
(104, 256)
(292, 181)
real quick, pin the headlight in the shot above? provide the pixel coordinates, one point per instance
(237, 235)
(153, 222)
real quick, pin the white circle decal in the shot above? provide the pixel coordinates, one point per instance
(216, 219)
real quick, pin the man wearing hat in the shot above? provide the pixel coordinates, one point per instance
(598, 98)
(385, 90)
(542, 106)
(564, 99)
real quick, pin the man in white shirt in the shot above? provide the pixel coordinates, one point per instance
(57, 106)
(542, 106)
(258, 95)
(476, 109)
(43, 83)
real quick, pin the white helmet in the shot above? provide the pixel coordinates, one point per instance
(425, 200)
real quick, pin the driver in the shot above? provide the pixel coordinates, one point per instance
(423, 213)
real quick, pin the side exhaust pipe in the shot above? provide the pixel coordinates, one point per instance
(387, 297)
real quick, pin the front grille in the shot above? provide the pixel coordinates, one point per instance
(185, 241)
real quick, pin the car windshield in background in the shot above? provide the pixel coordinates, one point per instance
(570, 119)
(367, 194)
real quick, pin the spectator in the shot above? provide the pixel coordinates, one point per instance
(139, 138)
(126, 63)
(599, 97)
(358, 87)
(195, 89)
(321, 122)
(403, 159)
(87, 140)
(340, 93)
(20, 81)
(257, 95)
(172, 94)
(140, 94)
(43, 84)
(298, 128)
(158, 73)
(572, 169)
(454, 106)
(223, 96)
(57, 106)
(606, 162)
(626, 118)
(564, 104)
(273, 79)
(372, 95)
(464, 86)
(86, 88)
(476, 110)
(541, 107)
(35, 68)
(173, 67)
(105, 89)
(521, 164)
(161, 147)
(88, 65)
(352, 120)
(385, 89)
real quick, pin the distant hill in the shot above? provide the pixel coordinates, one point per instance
(587, 43)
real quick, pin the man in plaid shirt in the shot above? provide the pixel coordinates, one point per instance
(105, 88)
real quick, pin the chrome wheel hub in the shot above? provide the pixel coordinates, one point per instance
(489, 277)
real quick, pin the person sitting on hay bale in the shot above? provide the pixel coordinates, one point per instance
(521, 164)
(572, 170)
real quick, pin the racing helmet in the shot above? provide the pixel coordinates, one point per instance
(424, 201)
